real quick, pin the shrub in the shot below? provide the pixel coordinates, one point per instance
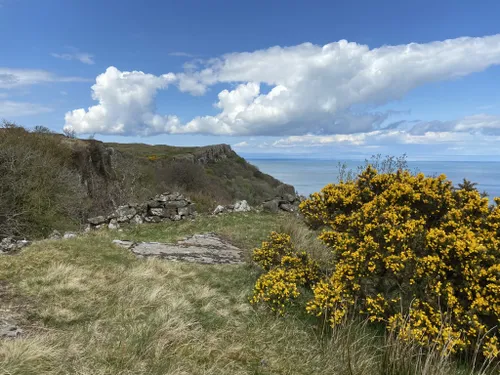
(411, 252)
(414, 253)
(288, 271)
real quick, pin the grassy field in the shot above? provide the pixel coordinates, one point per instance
(88, 307)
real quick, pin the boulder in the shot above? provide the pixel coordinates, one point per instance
(55, 235)
(271, 206)
(9, 244)
(10, 331)
(152, 219)
(154, 204)
(288, 207)
(176, 204)
(183, 211)
(290, 198)
(241, 206)
(218, 210)
(97, 220)
(68, 235)
(137, 219)
(113, 224)
(125, 213)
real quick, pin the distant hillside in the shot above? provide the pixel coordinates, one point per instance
(50, 180)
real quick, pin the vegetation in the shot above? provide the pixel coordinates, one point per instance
(53, 181)
(410, 252)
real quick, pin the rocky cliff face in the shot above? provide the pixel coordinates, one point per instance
(213, 153)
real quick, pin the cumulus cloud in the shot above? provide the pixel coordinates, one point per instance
(330, 89)
(126, 105)
(13, 78)
(16, 109)
(74, 54)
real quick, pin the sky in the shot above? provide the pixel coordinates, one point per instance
(315, 79)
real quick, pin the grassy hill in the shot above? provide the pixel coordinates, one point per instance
(52, 181)
(89, 307)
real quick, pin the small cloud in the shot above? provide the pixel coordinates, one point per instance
(12, 109)
(83, 57)
(181, 54)
(241, 144)
(64, 93)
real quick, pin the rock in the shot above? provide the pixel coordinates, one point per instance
(9, 244)
(97, 220)
(290, 198)
(176, 217)
(241, 206)
(87, 228)
(125, 213)
(183, 211)
(152, 219)
(9, 330)
(68, 235)
(124, 243)
(113, 224)
(288, 207)
(176, 204)
(154, 204)
(218, 210)
(200, 248)
(271, 206)
(55, 235)
(137, 219)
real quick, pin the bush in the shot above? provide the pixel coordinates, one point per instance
(413, 253)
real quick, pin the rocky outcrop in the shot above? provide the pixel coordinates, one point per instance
(10, 245)
(163, 207)
(213, 153)
(200, 248)
(239, 206)
(287, 202)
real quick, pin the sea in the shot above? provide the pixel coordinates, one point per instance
(310, 175)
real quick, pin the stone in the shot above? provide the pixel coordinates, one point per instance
(289, 198)
(271, 206)
(55, 235)
(97, 220)
(8, 330)
(176, 217)
(154, 204)
(68, 235)
(218, 210)
(162, 212)
(87, 228)
(241, 206)
(124, 243)
(288, 207)
(200, 248)
(183, 211)
(152, 219)
(9, 244)
(137, 219)
(113, 224)
(125, 213)
(176, 204)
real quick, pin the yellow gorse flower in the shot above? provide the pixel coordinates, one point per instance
(410, 250)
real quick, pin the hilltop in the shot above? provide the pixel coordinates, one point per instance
(54, 181)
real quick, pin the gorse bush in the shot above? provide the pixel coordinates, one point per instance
(411, 252)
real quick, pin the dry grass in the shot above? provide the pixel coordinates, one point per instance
(95, 309)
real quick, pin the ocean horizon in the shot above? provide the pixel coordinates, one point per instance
(310, 175)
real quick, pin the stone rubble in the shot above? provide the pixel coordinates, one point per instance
(239, 206)
(286, 202)
(9, 245)
(163, 207)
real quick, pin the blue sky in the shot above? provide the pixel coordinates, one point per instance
(278, 78)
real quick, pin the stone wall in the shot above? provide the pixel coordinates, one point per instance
(163, 207)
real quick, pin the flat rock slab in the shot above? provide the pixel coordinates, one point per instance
(200, 248)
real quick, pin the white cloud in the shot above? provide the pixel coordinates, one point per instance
(13, 78)
(126, 105)
(16, 109)
(313, 89)
(181, 54)
(241, 144)
(74, 54)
